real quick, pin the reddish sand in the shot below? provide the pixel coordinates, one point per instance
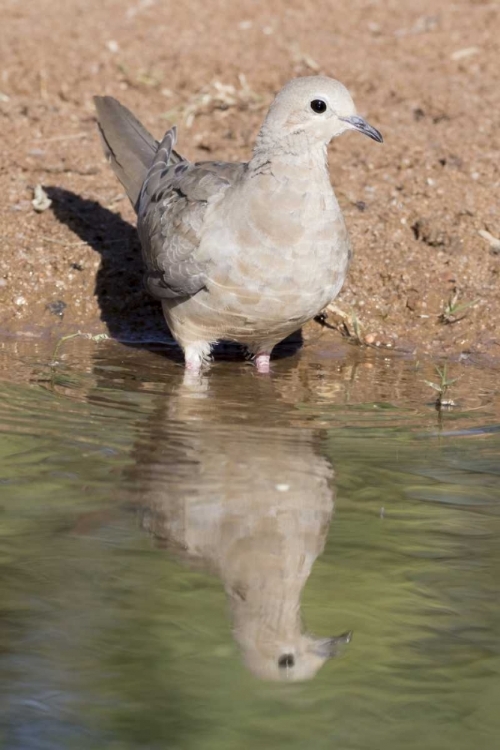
(426, 74)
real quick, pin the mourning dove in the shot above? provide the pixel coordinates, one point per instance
(246, 252)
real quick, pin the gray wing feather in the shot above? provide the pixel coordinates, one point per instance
(171, 211)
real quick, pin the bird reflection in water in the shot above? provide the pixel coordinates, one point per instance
(248, 503)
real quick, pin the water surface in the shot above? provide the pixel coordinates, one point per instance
(175, 556)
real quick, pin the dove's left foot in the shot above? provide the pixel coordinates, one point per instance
(196, 355)
(262, 363)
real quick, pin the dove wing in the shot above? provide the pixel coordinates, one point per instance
(171, 211)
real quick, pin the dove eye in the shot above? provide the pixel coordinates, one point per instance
(285, 661)
(318, 106)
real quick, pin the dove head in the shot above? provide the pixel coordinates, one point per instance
(313, 110)
(296, 660)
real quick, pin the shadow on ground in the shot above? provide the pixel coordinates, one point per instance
(126, 308)
(129, 313)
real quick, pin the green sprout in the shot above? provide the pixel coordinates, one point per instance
(452, 310)
(442, 388)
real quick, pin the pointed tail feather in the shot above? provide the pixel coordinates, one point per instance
(128, 146)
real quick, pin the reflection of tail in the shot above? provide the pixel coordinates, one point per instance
(128, 146)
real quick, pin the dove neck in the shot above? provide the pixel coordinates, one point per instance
(288, 155)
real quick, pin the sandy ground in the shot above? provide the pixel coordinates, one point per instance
(426, 74)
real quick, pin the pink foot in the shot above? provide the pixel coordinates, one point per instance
(193, 366)
(262, 363)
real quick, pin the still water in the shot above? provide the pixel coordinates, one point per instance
(182, 563)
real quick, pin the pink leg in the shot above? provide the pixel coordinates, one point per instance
(262, 363)
(196, 356)
(193, 363)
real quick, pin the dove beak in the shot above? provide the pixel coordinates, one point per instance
(358, 123)
(329, 647)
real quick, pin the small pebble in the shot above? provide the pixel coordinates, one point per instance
(41, 201)
(56, 308)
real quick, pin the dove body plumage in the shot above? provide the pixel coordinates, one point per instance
(247, 252)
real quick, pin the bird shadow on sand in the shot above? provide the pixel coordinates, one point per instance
(130, 314)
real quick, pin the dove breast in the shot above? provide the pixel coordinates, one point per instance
(276, 244)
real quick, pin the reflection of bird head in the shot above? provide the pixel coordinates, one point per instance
(296, 660)
(265, 574)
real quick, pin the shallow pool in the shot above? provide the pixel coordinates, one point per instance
(182, 562)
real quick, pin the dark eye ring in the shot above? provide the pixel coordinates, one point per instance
(318, 106)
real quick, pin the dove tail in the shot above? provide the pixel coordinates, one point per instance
(128, 146)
